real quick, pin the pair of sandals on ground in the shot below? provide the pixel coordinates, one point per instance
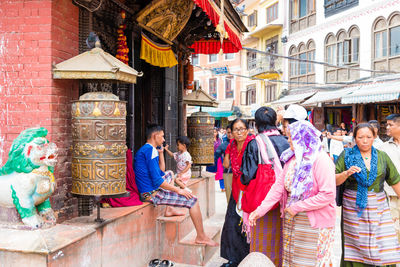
(160, 263)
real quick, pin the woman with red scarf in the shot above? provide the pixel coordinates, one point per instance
(234, 246)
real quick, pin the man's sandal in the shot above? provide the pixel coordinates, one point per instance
(154, 263)
(167, 263)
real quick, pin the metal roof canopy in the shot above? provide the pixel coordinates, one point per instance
(200, 98)
(291, 99)
(379, 91)
(95, 64)
(329, 96)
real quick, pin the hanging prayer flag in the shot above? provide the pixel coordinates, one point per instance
(157, 54)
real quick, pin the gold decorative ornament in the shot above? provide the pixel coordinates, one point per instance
(96, 111)
(165, 18)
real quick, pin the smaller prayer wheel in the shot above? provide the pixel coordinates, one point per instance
(200, 127)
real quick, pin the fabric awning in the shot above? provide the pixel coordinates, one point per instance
(329, 96)
(292, 99)
(211, 47)
(380, 91)
(220, 114)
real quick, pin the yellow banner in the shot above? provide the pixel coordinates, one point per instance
(157, 54)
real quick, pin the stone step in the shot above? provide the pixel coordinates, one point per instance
(186, 251)
(173, 229)
(206, 251)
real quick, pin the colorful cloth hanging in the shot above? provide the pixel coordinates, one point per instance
(157, 54)
(212, 46)
(232, 46)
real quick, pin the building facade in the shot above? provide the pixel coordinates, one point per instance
(356, 40)
(265, 21)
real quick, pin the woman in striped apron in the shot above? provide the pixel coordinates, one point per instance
(368, 234)
(306, 190)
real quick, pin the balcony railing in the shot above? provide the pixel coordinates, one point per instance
(265, 65)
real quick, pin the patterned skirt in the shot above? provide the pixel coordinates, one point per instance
(306, 246)
(370, 239)
(266, 236)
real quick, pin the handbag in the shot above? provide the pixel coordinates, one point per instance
(259, 187)
(339, 194)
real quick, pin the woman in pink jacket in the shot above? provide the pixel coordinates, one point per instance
(306, 191)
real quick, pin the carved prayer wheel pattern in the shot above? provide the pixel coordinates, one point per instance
(200, 131)
(99, 145)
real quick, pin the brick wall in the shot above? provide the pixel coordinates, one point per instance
(36, 34)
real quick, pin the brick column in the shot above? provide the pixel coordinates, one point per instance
(36, 34)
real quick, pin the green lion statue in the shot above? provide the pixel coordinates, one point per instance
(27, 180)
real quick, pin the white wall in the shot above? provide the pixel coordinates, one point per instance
(362, 15)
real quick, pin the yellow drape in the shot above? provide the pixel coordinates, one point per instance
(157, 54)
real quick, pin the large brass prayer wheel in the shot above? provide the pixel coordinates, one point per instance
(99, 145)
(200, 131)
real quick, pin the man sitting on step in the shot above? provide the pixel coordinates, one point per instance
(153, 186)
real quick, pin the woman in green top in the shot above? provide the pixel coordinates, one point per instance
(368, 234)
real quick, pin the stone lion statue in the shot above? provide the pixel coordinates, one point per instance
(27, 180)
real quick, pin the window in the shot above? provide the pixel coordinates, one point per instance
(251, 94)
(335, 6)
(270, 92)
(212, 58)
(272, 13)
(342, 49)
(252, 19)
(311, 57)
(380, 44)
(196, 84)
(212, 87)
(330, 50)
(394, 35)
(195, 59)
(229, 56)
(300, 71)
(301, 8)
(386, 42)
(351, 46)
(271, 45)
(292, 62)
(229, 87)
(303, 64)
(251, 60)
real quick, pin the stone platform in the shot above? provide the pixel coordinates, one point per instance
(129, 236)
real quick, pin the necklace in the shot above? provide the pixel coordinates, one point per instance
(365, 157)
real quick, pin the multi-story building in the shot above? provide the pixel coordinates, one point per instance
(356, 40)
(265, 21)
(219, 76)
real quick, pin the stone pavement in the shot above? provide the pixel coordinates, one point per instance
(218, 220)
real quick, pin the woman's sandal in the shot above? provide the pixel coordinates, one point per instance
(154, 263)
(167, 263)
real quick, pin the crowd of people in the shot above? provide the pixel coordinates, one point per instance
(283, 183)
(288, 179)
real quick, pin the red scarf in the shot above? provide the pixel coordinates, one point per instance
(236, 158)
